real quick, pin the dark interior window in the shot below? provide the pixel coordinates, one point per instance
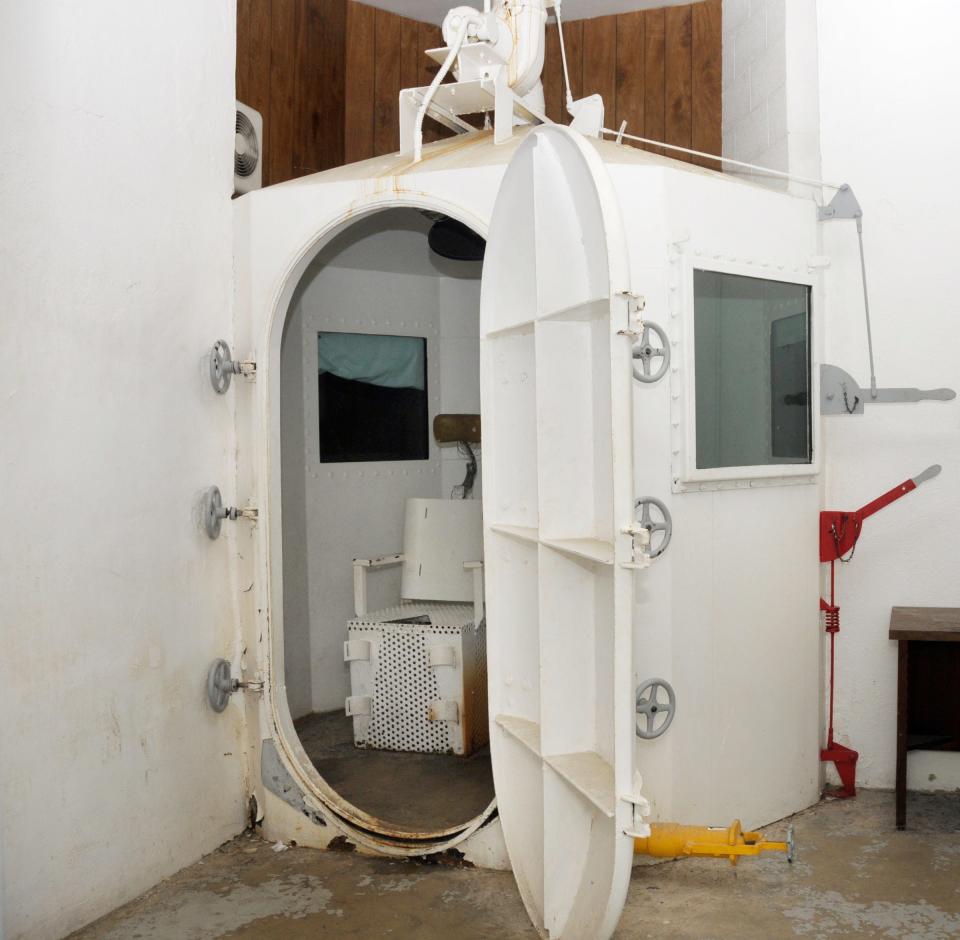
(752, 350)
(373, 397)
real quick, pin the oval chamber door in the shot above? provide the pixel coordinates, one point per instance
(557, 494)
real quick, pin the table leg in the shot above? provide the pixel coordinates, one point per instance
(902, 715)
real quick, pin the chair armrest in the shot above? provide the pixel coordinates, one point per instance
(360, 568)
(478, 605)
(383, 561)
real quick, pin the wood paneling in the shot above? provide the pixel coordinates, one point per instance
(283, 45)
(319, 78)
(600, 62)
(629, 104)
(553, 91)
(658, 70)
(359, 116)
(654, 75)
(573, 40)
(707, 92)
(678, 77)
(386, 125)
(327, 74)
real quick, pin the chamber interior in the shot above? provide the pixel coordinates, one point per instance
(381, 338)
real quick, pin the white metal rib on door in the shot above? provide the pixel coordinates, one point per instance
(556, 397)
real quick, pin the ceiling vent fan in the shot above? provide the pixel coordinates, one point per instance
(248, 148)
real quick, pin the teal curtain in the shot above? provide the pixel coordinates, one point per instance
(387, 361)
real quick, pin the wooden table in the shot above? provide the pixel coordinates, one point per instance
(928, 686)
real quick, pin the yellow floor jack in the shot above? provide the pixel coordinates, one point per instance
(672, 840)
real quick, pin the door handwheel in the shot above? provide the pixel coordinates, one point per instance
(644, 508)
(655, 714)
(646, 351)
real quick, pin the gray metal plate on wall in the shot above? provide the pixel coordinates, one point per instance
(277, 779)
(841, 394)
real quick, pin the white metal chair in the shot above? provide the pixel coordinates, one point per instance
(418, 669)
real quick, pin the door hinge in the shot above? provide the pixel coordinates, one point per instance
(640, 556)
(636, 304)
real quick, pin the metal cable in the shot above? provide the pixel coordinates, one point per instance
(866, 307)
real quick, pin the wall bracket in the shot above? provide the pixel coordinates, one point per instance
(844, 205)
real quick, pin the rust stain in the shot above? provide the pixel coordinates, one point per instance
(474, 723)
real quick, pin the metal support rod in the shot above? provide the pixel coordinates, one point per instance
(866, 307)
(563, 54)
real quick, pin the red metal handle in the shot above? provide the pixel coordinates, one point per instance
(840, 530)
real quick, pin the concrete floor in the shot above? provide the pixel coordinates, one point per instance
(408, 789)
(855, 877)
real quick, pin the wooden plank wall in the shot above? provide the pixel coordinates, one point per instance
(293, 61)
(658, 70)
(326, 75)
(384, 56)
(290, 67)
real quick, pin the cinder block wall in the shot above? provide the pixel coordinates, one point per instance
(755, 82)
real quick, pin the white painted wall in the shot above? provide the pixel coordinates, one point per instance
(379, 276)
(887, 100)
(850, 116)
(754, 82)
(115, 267)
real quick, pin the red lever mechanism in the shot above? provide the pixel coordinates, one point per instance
(839, 532)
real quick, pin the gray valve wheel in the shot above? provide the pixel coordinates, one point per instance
(211, 510)
(650, 710)
(221, 367)
(220, 684)
(645, 352)
(643, 506)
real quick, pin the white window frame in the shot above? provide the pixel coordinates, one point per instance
(686, 475)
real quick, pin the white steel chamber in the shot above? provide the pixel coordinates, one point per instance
(584, 467)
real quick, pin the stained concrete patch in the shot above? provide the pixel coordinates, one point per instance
(208, 914)
(831, 914)
(855, 877)
(246, 890)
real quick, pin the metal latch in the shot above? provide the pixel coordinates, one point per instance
(639, 827)
(221, 684)
(214, 512)
(223, 367)
(643, 530)
(641, 542)
(636, 304)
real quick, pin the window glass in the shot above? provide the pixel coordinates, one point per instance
(752, 352)
(373, 397)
